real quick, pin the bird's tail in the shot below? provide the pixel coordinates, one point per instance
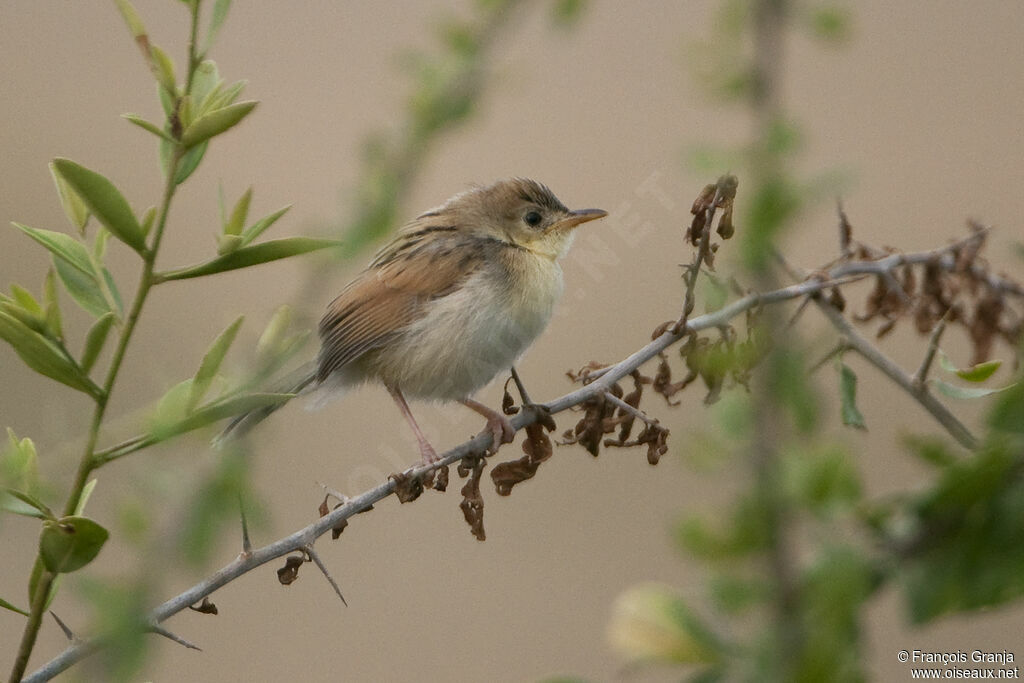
(293, 383)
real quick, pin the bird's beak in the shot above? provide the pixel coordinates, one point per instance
(576, 217)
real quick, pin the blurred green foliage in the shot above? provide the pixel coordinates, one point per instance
(794, 558)
(197, 111)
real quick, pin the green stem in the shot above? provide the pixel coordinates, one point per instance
(193, 57)
(89, 461)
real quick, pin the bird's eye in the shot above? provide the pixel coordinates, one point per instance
(532, 219)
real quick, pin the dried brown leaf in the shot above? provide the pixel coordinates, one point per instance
(205, 607)
(325, 510)
(408, 487)
(583, 374)
(441, 480)
(590, 428)
(290, 571)
(656, 438)
(472, 502)
(725, 227)
(508, 404)
(537, 448)
(985, 326)
(836, 299)
(662, 329)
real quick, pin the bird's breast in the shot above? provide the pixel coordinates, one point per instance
(468, 336)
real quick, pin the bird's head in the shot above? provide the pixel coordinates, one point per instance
(523, 212)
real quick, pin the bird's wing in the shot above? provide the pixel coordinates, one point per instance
(419, 266)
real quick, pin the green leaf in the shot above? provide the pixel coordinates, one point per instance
(716, 294)
(272, 338)
(215, 122)
(212, 506)
(148, 218)
(84, 498)
(228, 95)
(931, 450)
(163, 68)
(95, 339)
(188, 164)
(104, 201)
(70, 543)
(99, 247)
(185, 112)
(147, 126)
(168, 101)
(822, 478)
(74, 208)
(1008, 412)
(26, 318)
(979, 372)
(86, 291)
(20, 464)
(218, 411)
(118, 607)
(7, 605)
(26, 301)
(44, 357)
(964, 393)
(260, 226)
(220, 13)
(848, 397)
(251, 256)
(836, 584)
(234, 224)
(33, 506)
(945, 363)
(131, 18)
(171, 408)
(651, 623)
(33, 581)
(205, 82)
(830, 23)
(567, 12)
(51, 305)
(211, 364)
(228, 243)
(970, 552)
(62, 246)
(975, 373)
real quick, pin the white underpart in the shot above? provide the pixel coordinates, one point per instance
(475, 333)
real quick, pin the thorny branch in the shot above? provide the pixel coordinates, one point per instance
(601, 382)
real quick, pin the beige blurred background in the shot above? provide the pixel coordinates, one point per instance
(921, 109)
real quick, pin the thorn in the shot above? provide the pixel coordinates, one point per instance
(161, 631)
(523, 394)
(63, 627)
(338, 495)
(837, 350)
(635, 412)
(246, 541)
(845, 231)
(323, 568)
(921, 375)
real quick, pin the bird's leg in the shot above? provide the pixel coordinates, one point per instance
(427, 452)
(499, 426)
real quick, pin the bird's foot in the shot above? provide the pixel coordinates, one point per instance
(498, 426)
(427, 453)
(501, 431)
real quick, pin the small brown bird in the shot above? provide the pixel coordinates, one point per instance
(455, 298)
